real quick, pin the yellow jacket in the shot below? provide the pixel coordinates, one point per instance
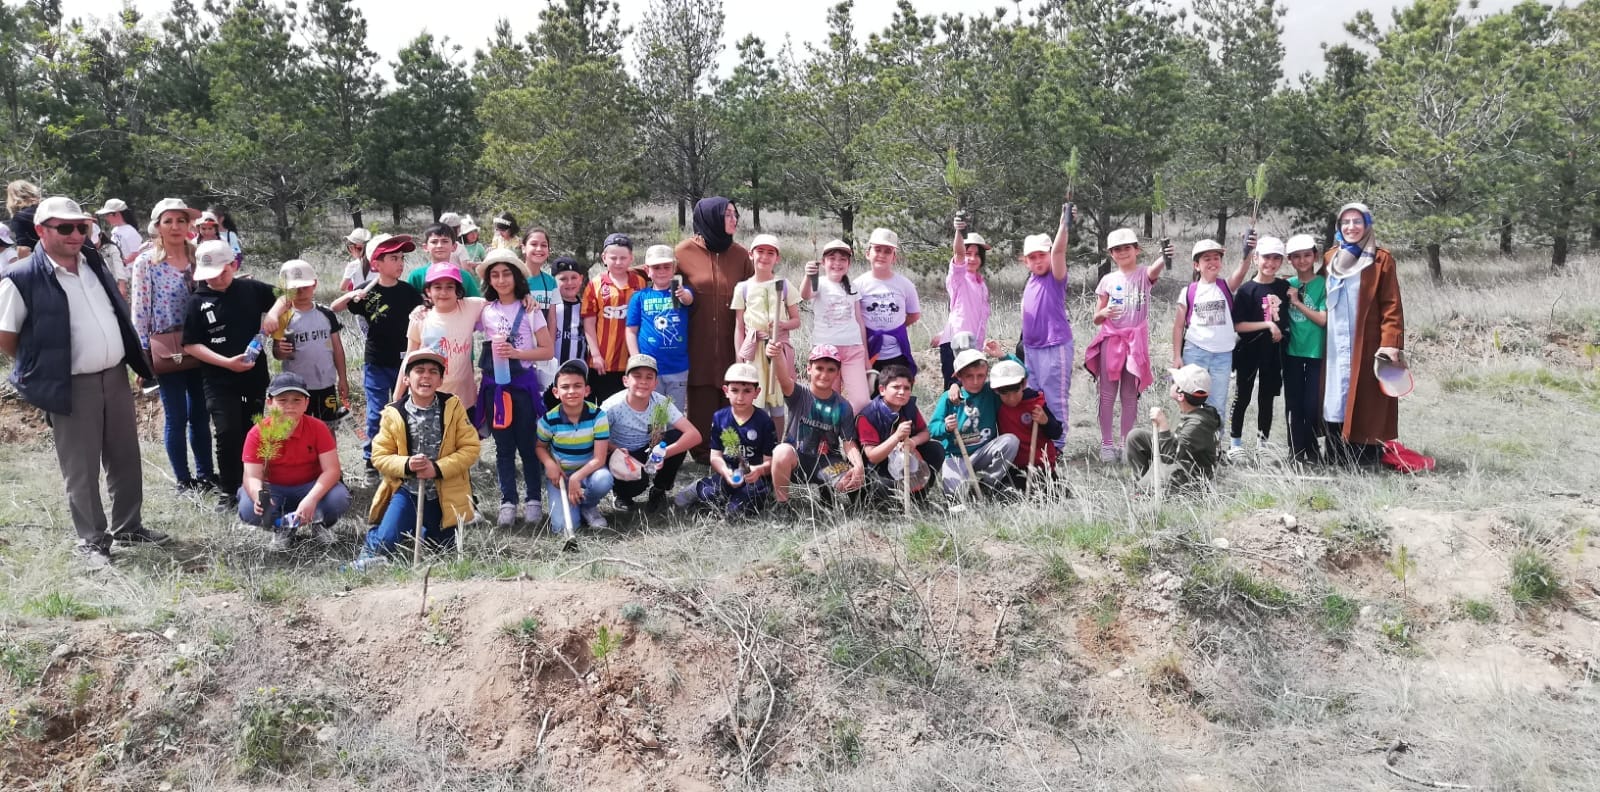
(457, 451)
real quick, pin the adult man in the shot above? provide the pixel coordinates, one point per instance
(69, 332)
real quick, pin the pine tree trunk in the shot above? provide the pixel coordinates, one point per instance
(398, 212)
(847, 223)
(1330, 231)
(1149, 224)
(1435, 269)
(1565, 197)
(1102, 223)
(755, 203)
(1222, 225)
(1505, 234)
(356, 220)
(683, 216)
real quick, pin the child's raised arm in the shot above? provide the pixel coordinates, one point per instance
(1154, 270)
(1243, 270)
(1058, 251)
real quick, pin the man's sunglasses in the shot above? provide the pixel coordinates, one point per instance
(64, 229)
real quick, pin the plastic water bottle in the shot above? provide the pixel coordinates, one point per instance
(287, 522)
(738, 477)
(657, 456)
(502, 365)
(253, 351)
(1119, 297)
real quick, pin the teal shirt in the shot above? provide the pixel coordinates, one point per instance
(546, 292)
(979, 421)
(1306, 338)
(468, 281)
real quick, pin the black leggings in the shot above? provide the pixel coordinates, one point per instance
(1256, 362)
(1302, 401)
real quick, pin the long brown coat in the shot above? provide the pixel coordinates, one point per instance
(713, 277)
(1371, 416)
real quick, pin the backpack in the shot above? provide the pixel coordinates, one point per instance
(1194, 286)
(1404, 460)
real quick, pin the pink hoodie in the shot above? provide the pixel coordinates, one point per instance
(1123, 349)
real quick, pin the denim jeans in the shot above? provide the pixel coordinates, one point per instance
(400, 520)
(183, 404)
(1220, 366)
(378, 383)
(518, 439)
(595, 487)
(286, 499)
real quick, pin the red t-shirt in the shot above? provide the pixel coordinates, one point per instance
(1018, 421)
(297, 460)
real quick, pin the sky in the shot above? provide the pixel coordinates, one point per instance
(393, 23)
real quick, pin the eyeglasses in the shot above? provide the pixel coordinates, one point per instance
(66, 229)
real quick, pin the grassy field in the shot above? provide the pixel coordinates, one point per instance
(1290, 631)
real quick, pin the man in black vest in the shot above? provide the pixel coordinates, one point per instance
(67, 329)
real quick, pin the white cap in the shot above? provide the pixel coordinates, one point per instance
(837, 244)
(765, 240)
(1300, 242)
(743, 372)
(658, 254)
(1270, 246)
(211, 258)
(359, 236)
(1192, 379)
(295, 274)
(1120, 237)
(450, 219)
(172, 205)
(59, 208)
(1007, 373)
(967, 358)
(113, 205)
(1037, 243)
(1205, 246)
(883, 236)
(975, 239)
(467, 226)
(207, 217)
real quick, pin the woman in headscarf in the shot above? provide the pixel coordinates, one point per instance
(712, 264)
(1366, 322)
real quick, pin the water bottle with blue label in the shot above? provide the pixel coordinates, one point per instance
(1119, 298)
(502, 365)
(253, 351)
(657, 457)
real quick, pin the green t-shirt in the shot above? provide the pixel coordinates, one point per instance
(1306, 338)
(468, 280)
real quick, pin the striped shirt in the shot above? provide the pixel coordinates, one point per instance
(608, 303)
(572, 443)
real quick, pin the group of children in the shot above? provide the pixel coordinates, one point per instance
(584, 381)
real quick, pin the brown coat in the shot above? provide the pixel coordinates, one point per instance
(1370, 416)
(712, 277)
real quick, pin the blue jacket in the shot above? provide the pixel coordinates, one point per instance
(43, 369)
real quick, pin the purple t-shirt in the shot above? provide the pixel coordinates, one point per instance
(1044, 312)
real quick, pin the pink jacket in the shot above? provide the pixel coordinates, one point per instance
(1121, 348)
(969, 304)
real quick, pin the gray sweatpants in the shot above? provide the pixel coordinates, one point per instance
(991, 462)
(101, 431)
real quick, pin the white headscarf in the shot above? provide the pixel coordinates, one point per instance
(1350, 259)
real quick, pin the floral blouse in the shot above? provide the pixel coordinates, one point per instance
(160, 296)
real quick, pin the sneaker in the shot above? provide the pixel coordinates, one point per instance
(532, 512)
(322, 534)
(1108, 452)
(281, 541)
(140, 535)
(1236, 453)
(626, 504)
(657, 499)
(93, 557)
(593, 518)
(508, 515)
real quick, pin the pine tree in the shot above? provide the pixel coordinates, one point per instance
(676, 51)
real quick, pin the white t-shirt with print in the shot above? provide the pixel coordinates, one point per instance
(833, 313)
(1210, 323)
(884, 305)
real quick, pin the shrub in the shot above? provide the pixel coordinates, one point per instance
(1534, 580)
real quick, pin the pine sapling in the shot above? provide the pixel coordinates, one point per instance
(1256, 188)
(1158, 206)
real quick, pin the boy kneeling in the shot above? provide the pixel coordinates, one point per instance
(1189, 452)
(425, 442)
(645, 424)
(573, 440)
(968, 418)
(820, 440)
(890, 422)
(292, 477)
(743, 437)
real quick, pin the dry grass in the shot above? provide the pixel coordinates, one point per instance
(1267, 705)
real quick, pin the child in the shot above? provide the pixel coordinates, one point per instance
(969, 298)
(1046, 328)
(358, 272)
(658, 323)
(1261, 322)
(229, 230)
(472, 247)
(888, 305)
(506, 233)
(605, 315)
(535, 249)
(300, 476)
(452, 223)
(765, 308)
(837, 320)
(969, 414)
(640, 420)
(886, 425)
(1188, 453)
(820, 444)
(566, 323)
(445, 325)
(427, 445)
(1021, 408)
(1202, 330)
(573, 438)
(511, 409)
(1119, 356)
(224, 317)
(1302, 362)
(309, 345)
(386, 304)
(439, 240)
(742, 441)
